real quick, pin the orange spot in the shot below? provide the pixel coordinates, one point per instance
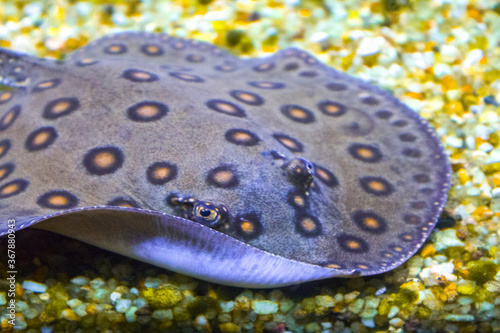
(10, 189)
(58, 200)
(60, 107)
(308, 224)
(141, 75)
(363, 266)
(353, 245)
(289, 143)
(408, 237)
(152, 49)
(240, 136)
(247, 227)
(2, 148)
(371, 222)
(125, 205)
(331, 108)
(297, 113)
(299, 201)
(398, 249)
(223, 176)
(323, 175)
(47, 84)
(104, 160)
(388, 255)
(246, 97)
(5, 96)
(86, 60)
(115, 48)
(161, 173)
(40, 138)
(226, 107)
(333, 266)
(8, 118)
(376, 186)
(2, 172)
(365, 153)
(147, 111)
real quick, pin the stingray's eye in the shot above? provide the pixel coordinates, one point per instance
(208, 214)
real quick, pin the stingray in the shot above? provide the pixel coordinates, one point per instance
(258, 172)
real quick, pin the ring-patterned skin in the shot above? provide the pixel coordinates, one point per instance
(248, 172)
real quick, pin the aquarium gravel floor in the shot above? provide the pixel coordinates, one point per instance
(441, 57)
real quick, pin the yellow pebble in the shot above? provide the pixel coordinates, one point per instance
(428, 251)
(496, 179)
(70, 315)
(462, 176)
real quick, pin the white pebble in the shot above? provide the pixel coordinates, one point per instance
(34, 286)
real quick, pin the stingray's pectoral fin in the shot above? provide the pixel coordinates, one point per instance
(183, 246)
(20, 70)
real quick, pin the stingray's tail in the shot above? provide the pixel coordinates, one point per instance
(21, 70)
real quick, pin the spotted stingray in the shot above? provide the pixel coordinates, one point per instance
(247, 172)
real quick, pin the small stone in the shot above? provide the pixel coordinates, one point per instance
(115, 296)
(123, 305)
(242, 303)
(229, 328)
(30, 313)
(163, 315)
(34, 286)
(485, 306)
(70, 315)
(20, 323)
(264, 307)
(393, 312)
(396, 322)
(455, 317)
(80, 281)
(368, 322)
(312, 328)
(74, 302)
(351, 296)
(21, 306)
(130, 314)
(227, 306)
(97, 283)
(324, 301)
(356, 306)
(150, 282)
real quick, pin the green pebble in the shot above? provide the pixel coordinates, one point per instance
(313, 327)
(485, 306)
(481, 271)
(463, 300)
(163, 315)
(130, 314)
(324, 301)
(357, 306)
(455, 317)
(227, 306)
(3, 298)
(392, 312)
(286, 305)
(372, 302)
(264, 307)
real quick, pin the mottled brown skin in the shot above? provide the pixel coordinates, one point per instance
(246, 135)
